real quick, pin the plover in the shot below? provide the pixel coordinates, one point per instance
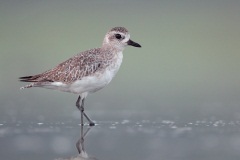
(88, 71)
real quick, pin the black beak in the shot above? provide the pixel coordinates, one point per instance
(134, 44)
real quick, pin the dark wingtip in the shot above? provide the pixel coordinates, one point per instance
(25, 79)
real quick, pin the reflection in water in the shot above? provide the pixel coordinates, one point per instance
(80, 146)
(80, 142)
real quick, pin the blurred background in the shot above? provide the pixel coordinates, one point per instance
(187, 68)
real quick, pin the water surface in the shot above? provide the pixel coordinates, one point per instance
(126, 139)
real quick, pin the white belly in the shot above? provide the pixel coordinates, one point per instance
(91, 84)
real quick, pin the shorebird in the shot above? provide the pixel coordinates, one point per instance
(88, 71)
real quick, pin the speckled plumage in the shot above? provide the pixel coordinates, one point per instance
(75, 68)
(119, 29)
(87, 71)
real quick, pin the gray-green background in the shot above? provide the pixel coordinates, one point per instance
(187, 68)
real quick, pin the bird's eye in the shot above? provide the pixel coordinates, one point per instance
(118, 36)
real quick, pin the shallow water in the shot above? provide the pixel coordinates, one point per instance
(126, 139)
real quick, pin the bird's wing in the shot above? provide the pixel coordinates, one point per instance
(70, 70)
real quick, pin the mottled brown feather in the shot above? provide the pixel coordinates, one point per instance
(75, 68)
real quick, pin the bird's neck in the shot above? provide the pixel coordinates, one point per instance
(112, 49)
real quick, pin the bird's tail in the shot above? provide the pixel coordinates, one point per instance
(28, 79)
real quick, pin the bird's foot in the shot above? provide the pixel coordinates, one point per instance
(91, 124)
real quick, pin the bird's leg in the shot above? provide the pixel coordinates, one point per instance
(91, 123)
(79, 100)
(80, 106)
